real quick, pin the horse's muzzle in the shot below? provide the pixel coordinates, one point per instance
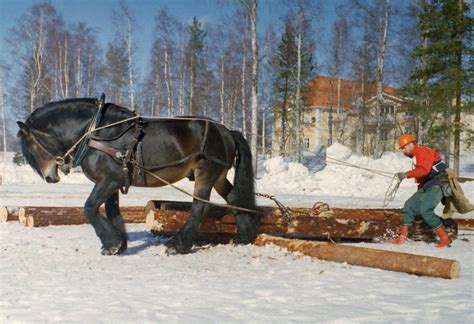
(51, 180)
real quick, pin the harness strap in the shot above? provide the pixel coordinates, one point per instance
(116, 154)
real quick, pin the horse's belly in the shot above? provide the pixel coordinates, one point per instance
(169, 175)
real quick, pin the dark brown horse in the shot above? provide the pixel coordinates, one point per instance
(172, 149)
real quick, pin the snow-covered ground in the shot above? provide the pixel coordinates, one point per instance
(56, 274)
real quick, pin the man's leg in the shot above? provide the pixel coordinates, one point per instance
(410, 210)
(428, 203)
(430, 200)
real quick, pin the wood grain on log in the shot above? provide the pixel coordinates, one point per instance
(45, 216)
(373, 258)
(466, 224)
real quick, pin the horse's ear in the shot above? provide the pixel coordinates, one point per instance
(23, 128)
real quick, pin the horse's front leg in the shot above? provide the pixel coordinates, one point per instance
(112, 211)
(110, 236)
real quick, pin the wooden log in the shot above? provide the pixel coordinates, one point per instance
(166, 218)
(466, 224)
(3, 214)
(8, 214)
(372, 258)
(45, 216)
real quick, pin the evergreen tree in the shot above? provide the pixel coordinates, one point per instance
(196, 61)
(439, 88)
(116, 72)
(284, 63)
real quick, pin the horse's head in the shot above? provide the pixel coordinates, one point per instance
(40, 151)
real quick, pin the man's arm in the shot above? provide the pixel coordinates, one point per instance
(422, 167)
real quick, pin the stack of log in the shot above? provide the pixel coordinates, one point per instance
(166, 218)
(45, 216)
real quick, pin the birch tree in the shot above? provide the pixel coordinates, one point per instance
(123, 18)
(250, 6)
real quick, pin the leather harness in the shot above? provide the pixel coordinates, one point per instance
(133, 155)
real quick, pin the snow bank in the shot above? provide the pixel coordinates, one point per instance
(12, 173)
(335, 179)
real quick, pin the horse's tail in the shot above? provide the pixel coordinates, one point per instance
(244, 181)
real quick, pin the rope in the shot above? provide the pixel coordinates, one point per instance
(378, 172)
(391, 191)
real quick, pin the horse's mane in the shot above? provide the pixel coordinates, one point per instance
(46, 109)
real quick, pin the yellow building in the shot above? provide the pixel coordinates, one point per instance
(334, 110)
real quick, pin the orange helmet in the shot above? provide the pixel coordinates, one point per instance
(406, 139)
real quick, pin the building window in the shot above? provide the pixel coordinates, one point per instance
(306, 143)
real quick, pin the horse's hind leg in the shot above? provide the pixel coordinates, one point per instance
(247, 225)
(112, 211)
(110, 236)
(183, 241)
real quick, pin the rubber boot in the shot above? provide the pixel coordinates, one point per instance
(402, 238)
(444, 239)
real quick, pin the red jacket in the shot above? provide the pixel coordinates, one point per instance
(425, 159)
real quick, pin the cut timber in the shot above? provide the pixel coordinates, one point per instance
(8, 214)
(3, 214)
(466, 224)
(372, 258)
(166, 218)
(45, 216)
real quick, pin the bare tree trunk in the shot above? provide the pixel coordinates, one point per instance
(191, 88)
(222, 89)
(298, 85)
(168, 81)
(361, 117)
(78, 74)
(283, 122)
(263, 126)
(4, 127)
(243, 102)
(254, 84)
(130, 62)
(379, 78)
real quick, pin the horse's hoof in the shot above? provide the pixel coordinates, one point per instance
(114, 249)
(174, 247)
(243, 240)
(123, 247)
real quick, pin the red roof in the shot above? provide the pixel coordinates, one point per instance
(322, 91)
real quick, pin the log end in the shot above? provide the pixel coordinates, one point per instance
(3, 215)
(22, 216)
(455, 270)
(151, 223)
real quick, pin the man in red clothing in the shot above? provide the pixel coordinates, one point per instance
(429, 167)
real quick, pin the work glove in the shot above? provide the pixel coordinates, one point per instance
(401, 175)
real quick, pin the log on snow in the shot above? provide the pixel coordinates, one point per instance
(466, 224)
(8, 215)
(45, 216)
(373, 258)
(166, 218)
